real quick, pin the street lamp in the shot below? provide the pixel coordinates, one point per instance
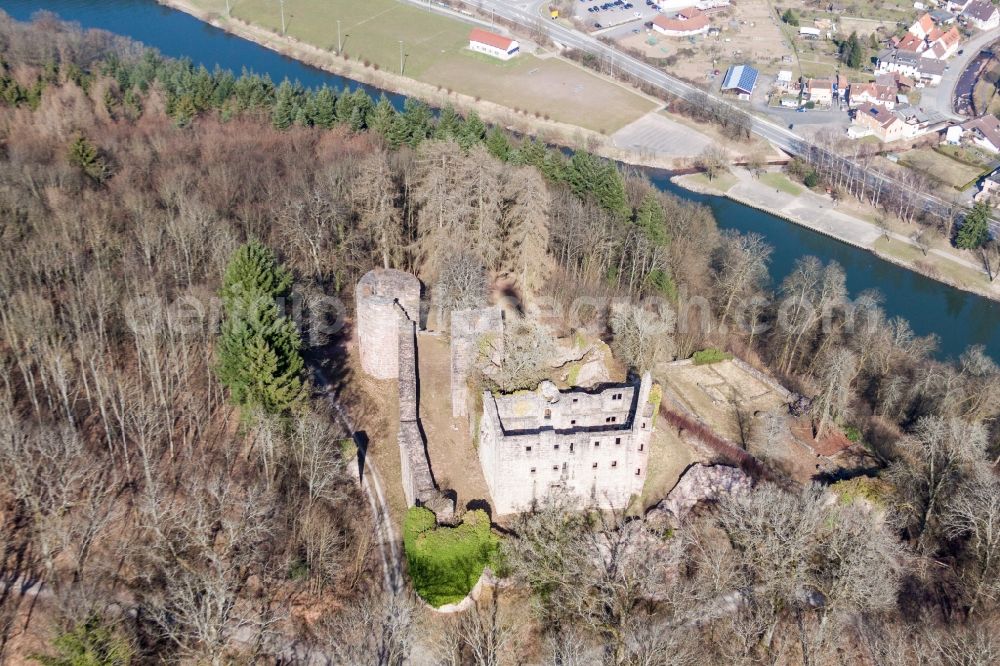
(340, 46)
(401, 57)
(282, 3)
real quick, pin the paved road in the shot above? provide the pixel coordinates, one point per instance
(527, 13)
(941, 97)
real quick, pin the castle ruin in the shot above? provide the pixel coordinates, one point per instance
(468, 330)
(388, 314)
(379, 297)
(592, 444)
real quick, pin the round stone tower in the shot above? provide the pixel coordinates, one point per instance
(381, 298)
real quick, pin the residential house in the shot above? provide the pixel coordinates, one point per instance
(922, 26)
(681, 27)
(740, 79)
(953, 135)
(942, 45)
(878, 121)
(942, 17)
(958, 6)
(894, 80)
(983, 14)
(989, 189)
(819, 91)
(872, 93)
(927, 71)
(809, 33)
(784, 80)
(911, 43)
(492, 44)
(984, 132)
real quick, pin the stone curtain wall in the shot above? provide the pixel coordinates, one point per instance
(468, 327)
(418, 480)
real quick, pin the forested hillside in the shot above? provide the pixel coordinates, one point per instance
(168, 496)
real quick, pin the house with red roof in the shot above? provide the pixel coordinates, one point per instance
(688, 22)
(492, 44)
(922, 26)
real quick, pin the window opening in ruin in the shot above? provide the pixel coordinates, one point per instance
(527, 449)
(564, 467)
(548, 413)
(571, 444)
(643, 425)
(575, 400)
(642, 447)
(596, 444)
(572, 422)
(532, 470)
(556, 447)
(614, 463)
(555, 468)
(595, 465)
(638, 471)
(618, 440)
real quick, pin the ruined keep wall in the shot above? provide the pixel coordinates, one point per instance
(600, 466)
(467, 328)
(379, 296)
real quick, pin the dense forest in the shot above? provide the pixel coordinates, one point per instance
(158, 507)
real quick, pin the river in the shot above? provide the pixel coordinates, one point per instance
(958, 318)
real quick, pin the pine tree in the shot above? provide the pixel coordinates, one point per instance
(86, 156)
(449, 124)
(975, 230)
(258, 348)
(285, 107)
(90, 643)
(417, 117)
(382, 117)
(651, 218)
(324, 108)
(472, 131)
(498, 144)
(253, 269)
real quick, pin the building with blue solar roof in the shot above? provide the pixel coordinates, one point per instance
(740, 79)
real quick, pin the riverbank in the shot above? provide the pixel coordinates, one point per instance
(819, 213)
(516, 120)
(936, 264)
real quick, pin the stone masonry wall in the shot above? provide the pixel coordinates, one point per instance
(569, 447)
(467, 329)
(379, 295)
(418, 480)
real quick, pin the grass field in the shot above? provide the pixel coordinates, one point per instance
(435, 51)
(950, 172)
(779, 181)
(370, 29)
(956, 273)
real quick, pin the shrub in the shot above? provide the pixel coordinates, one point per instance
(655, 398)
(811, 180)
(446, 562)
(852, 434)
(710, 355)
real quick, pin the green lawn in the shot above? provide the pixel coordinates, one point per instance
(721, 182)
(779, 181)
(435, 51)
(955, 272)
(951, 173)
(370, 29)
